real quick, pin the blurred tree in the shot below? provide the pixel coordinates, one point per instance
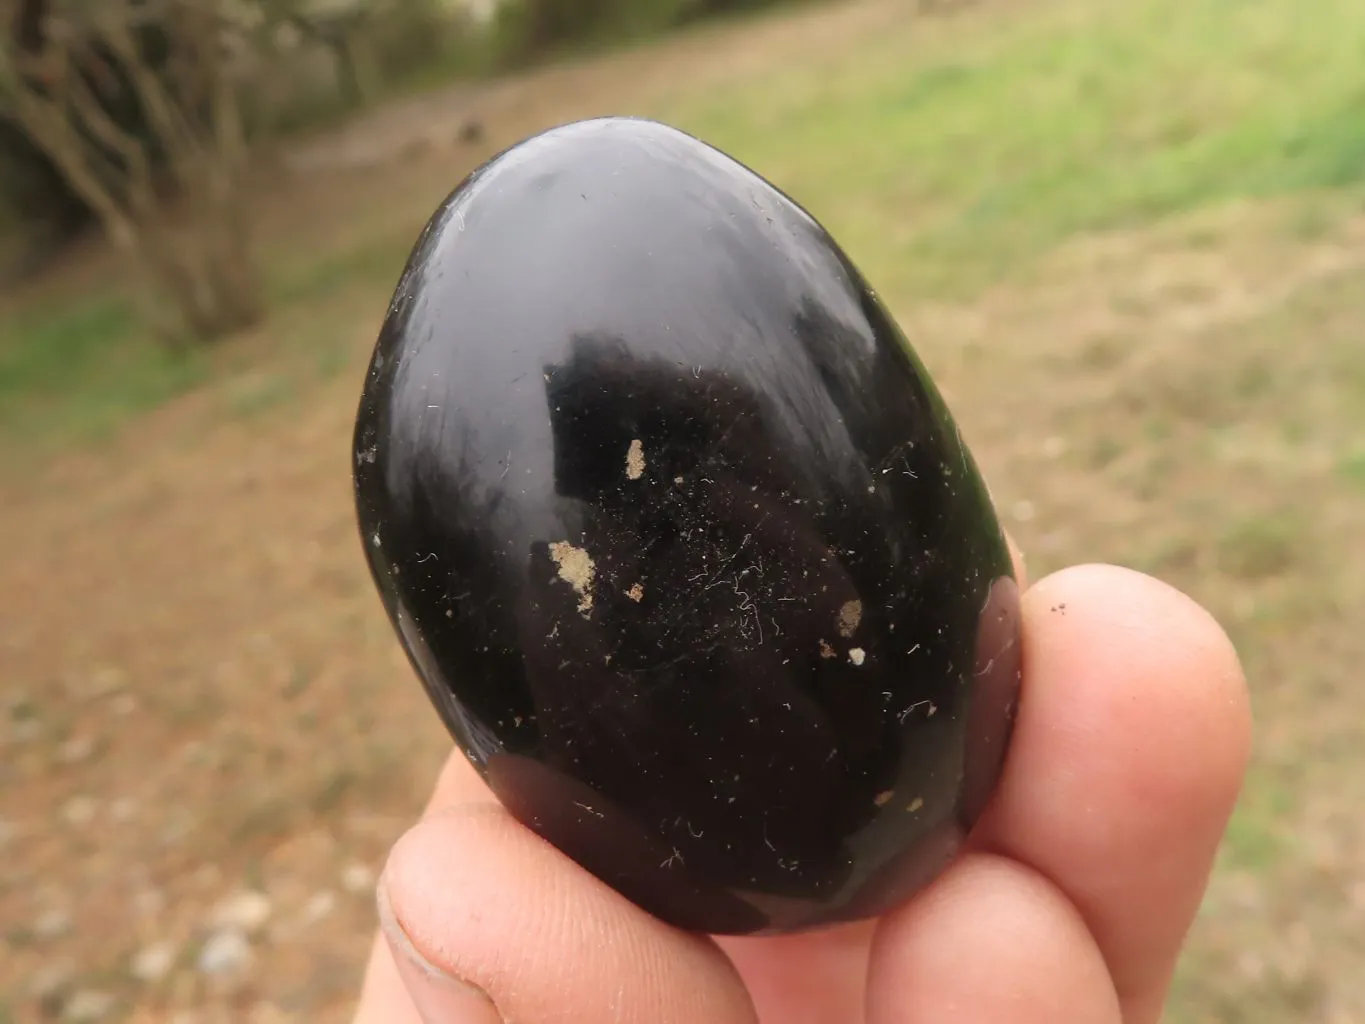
(540, 24)
(338, 26)
(530, 27)
(134, 102)
(39, 207)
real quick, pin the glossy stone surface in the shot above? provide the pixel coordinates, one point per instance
(680, 537)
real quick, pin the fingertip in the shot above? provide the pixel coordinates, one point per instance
(430, 947)
(1130, 748)
(1097, 617)
(991, 940)
(434, 992)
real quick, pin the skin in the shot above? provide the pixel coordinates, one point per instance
(1071, 903)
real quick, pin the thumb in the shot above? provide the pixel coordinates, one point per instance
(487, 922)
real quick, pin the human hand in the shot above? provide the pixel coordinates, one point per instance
(1069, 904)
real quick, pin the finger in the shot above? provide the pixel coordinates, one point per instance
(487, 922)
(807, 978)
(1131, 743)
(458, 783)
(383, 995)
(991, 940)
(1017, 560)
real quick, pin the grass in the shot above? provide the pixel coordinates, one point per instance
(946, 159)
(1256, 515)
(1352, 468)
(988, 148)
(77, 371)
(1128, 237)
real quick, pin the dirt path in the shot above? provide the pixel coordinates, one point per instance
(619, 83)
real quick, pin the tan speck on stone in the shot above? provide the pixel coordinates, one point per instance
(826, 651)
(636, 592)
(850, 615)
(857, 655)
(915, 804)
(635, 460)
(883, 798)
(576, 569)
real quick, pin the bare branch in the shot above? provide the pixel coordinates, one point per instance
(46, 122)
(192, 239)
(85, 105)
(170, 123)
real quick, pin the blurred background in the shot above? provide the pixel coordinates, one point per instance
(1128, 237)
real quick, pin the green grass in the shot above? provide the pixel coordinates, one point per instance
(1256, 838)
(73, 373)
(378, 260)
(1352, 468)
(945, 156)
(1255, 510)
(951, 161)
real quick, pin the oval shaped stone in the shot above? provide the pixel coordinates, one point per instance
(680, 537)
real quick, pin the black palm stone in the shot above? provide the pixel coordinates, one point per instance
(680, 537)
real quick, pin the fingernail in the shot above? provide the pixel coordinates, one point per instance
(439, 997)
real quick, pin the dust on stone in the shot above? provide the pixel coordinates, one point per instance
(850, 617)
(576, 568)
(635, 460)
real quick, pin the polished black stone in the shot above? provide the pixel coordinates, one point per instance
(680, 537)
